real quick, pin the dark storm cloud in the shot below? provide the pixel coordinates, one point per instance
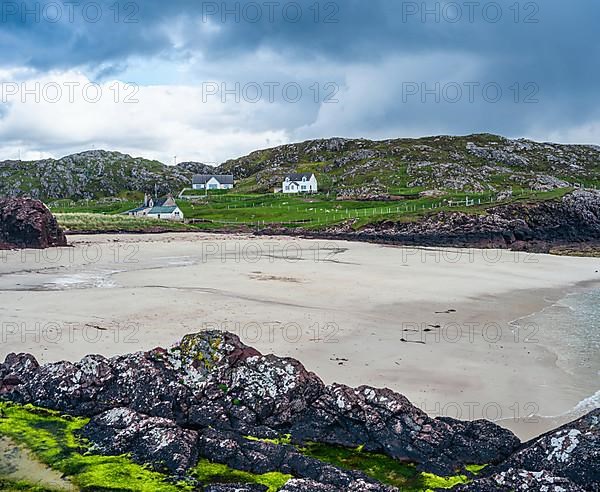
(543, 55)
(52, 34)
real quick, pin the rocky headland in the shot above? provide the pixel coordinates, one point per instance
(212, 401)
(571, 223)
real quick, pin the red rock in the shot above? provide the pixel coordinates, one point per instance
(28, 223)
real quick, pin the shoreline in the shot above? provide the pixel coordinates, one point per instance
(586, 248)
(322, 311)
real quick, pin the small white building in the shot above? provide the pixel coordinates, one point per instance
(165, 208)
(212, 181)
(300, 183)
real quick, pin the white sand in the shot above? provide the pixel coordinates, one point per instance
(316, 301)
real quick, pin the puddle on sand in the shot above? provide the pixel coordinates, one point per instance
(17, 463)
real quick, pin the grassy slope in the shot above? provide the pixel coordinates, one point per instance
(402, 168)
(227, 211)
(435, 160)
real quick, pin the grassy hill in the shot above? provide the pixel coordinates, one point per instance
(93, 174)
(474, 163)
(355, 168)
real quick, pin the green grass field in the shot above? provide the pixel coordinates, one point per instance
(223, 211)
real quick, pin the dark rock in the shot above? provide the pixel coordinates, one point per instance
(385, 422)
(235, 487)
(302, 485)
(258, 394)
(16, 371)
(572, 451)
(203, 396)
(260, 457)
(153, 440)
(160, 383)
(513, 480)
(27, 223)
(213, 381)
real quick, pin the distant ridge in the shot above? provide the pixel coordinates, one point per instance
(475, 163)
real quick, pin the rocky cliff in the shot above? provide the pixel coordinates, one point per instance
(27, 223)
(210, 397)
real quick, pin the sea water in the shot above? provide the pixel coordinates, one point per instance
(570, 329)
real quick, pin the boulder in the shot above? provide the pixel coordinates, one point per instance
(571, 451)
(385, 422)
(514, 480)
(27, 223)
(258, 396)
(162, 383)
(154, 440)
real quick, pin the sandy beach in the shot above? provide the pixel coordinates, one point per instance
(433, 324)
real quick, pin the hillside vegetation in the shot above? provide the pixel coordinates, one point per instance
(93, 174)
(347, 167)
(474, 163)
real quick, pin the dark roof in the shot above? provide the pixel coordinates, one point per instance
(204, 178)
(299, 176)
(135, 210)
(162, 210)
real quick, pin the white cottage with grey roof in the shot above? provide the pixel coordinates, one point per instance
(300, 183)
(212, 182)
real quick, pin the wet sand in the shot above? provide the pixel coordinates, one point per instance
(17, 463)
(432, 324)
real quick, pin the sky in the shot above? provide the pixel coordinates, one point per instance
(193, 80)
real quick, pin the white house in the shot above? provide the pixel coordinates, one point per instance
(300, 183)
(212, 182)
(165, 208)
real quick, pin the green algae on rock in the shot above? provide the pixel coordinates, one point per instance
(53, 439)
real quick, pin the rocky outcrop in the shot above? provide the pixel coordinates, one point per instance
(566, 459)
(513, 480)
(94, 173)
(262, 457)
(213, 397)
(572, 451)
(159, 441)
(385, 422)
(27, 223)
(213, 385)
(572, 221)
(360, 167)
